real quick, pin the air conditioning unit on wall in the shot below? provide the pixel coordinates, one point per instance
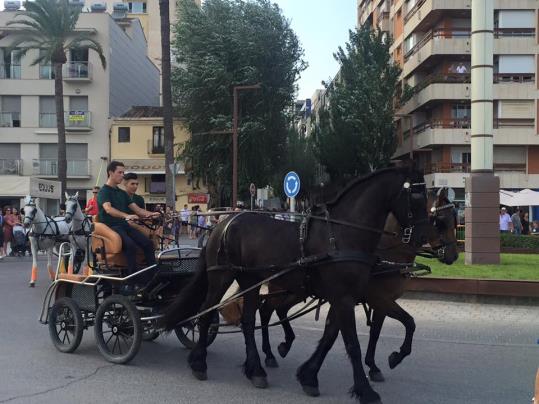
(98, 7)
(12, 5)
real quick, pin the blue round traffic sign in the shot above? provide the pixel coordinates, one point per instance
(291, 184)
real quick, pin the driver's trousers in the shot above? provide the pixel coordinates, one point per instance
(131, 240)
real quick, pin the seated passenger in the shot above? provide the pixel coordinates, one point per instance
(115, 208)
(131, 187)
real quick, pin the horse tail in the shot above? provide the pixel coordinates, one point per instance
(190, 298)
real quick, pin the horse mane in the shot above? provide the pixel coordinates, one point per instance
(360, 180)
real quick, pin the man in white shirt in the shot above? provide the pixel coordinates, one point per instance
(505, 221)
(461, 69)
(184, 216)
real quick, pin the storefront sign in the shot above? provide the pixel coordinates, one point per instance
(155, 199)
(40, 188)
(198, 198)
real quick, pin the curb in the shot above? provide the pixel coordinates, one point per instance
(474, 290)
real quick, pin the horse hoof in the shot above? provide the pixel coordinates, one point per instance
(376, 376)
(393, 360)
(283, 350)
(311, 391)
(200, 375)
(271, 363)
(260, 382)
(32, 284)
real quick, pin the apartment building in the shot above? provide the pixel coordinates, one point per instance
(147, 12)
(92, 96)
(137, 140)
(433, 46)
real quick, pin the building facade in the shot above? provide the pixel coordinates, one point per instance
(137, 140)
(92, 96)
(433, 46)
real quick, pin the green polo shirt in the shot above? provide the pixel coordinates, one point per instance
(119, 199)
(139, 200)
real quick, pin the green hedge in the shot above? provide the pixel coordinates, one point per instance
(512, 241)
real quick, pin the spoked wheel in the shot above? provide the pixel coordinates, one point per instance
(65, 325)
(189, 333)
(118, 330)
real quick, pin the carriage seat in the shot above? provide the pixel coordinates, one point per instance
(107, 246)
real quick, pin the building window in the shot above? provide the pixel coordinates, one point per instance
(136, 7)
(157, 184)
(158, 140)
(124, 135)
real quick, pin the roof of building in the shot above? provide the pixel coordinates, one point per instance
(144, 112)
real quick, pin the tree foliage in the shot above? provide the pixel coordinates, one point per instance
(355, 132)
(226, 43)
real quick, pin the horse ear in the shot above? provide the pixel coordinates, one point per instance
(27, 199)
(66, 195)
(77, 195)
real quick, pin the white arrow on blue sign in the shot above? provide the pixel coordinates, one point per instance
(291, 184)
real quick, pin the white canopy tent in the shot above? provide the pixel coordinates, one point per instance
(526, 197)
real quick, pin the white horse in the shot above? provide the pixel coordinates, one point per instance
(45, 233)
(80, 228)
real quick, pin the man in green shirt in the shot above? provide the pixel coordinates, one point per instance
(131, 186)
(115, 209)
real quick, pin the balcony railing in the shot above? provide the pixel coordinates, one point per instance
(77, 71)
(10, 71)
(10, 119)
(466, 33)
(465, 123)
(49, 167)
(440, 167)
(155, 149)
(413, 10)
(10, 167)
(46, 72)
(466, 78)
(73, 120)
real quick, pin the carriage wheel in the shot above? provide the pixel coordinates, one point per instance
(65, 325)
(189, 333)
(118, 330)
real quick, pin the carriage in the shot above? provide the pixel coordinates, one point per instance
(76, 301)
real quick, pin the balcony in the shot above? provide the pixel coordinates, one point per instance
(10, 119)
(74, 120)
(10, 167)
(77, 71)
(155, 149)
(441, 167)
(46, 72)
(10, 71)
(49, 168)
(466, 78)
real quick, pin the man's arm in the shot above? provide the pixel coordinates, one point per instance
(142, 212)
(117, 213)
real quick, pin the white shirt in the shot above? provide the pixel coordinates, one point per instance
(461, 69)
(184, 214)
(505, 219)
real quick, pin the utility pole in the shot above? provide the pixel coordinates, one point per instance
(235, 140)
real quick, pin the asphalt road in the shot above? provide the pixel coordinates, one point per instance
(463, 353)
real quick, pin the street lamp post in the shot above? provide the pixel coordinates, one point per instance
(235, 140)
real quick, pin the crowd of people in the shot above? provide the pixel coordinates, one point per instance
(13, 240)
(518, 223)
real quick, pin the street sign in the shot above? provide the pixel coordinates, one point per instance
(40, 188)
(291, 184)
(252, 189)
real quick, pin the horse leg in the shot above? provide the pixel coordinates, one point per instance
(375, 374)
(398, 313)
(347, 324)
(49, 263)
(307, 373)
(33, 247)
(197, 356)
(289, 336)
(265, 311)
(252, 368)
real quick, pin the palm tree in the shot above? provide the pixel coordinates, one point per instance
(50, 26)
(168, 129)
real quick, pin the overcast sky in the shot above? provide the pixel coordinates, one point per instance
(321, 26)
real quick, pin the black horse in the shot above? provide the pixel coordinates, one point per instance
(383, 290)
(331, 257)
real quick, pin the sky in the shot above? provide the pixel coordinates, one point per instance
(321, 26)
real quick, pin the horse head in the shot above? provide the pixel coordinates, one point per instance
(72, 204)
(444, 222)
(30, 210)
(410, 206)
